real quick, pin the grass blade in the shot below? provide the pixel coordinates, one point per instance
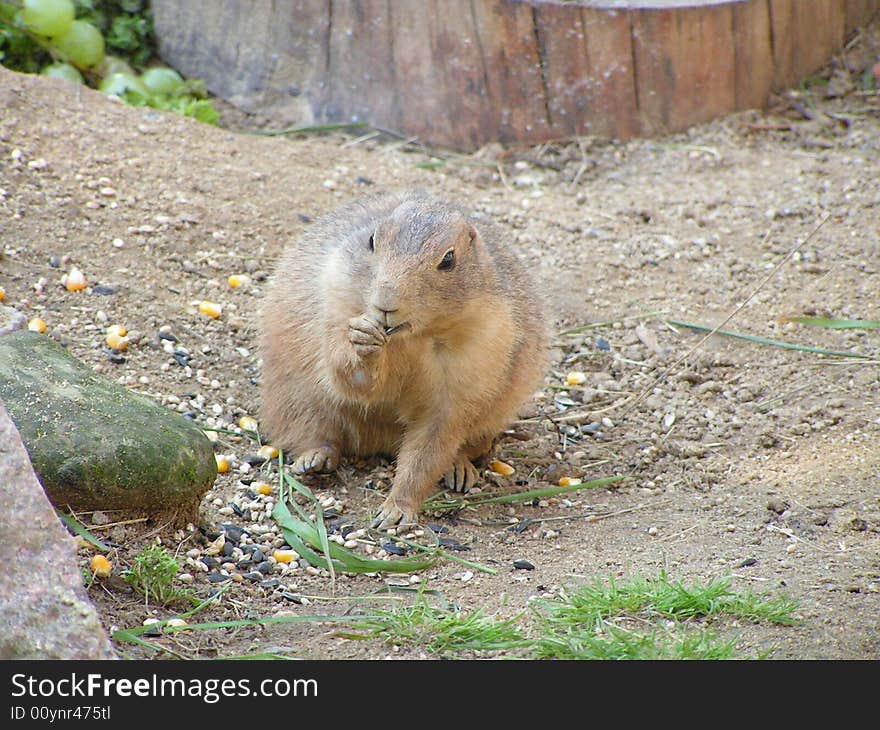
(446, 501)
(546, 492)
(302, 535)
(79, 529)
(763, 340)
(313, 129)
(441, 553)
(834, 324)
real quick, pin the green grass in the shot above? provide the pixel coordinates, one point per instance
(443, 632)
(662, 597)
(610, 642)
(639, 618)
(593, 621)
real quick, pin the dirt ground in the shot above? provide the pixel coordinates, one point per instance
(741, 459)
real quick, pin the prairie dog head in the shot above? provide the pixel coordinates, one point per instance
(428, 263)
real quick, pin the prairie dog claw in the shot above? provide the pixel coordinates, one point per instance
(390, 515)
(462, 475)
(321, 459)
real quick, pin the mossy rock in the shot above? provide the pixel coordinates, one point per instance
(95, 444)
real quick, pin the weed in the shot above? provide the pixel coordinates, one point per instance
(152, 575)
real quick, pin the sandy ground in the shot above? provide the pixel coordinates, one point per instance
(741, 459)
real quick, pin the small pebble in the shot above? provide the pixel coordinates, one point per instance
(777, 506)
(523, 565)
(652, 531)
(450, 543)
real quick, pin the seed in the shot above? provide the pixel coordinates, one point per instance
(285, 556)
(210, 309)
(350, 544)
(222, 463)
(75, 280)
(569, 481)
(238, 280)
(263, 488)
(248, 423)
(117, 329)
(268, 452)
(37, 325)
(2, 294)
(176, 623)
(100, 566)
(499, 467)
(115, 340)
(576, 377)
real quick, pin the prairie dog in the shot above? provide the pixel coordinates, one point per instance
(399, 325)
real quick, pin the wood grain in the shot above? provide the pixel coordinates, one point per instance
(462, 73)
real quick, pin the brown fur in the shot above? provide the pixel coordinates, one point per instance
(435, 393)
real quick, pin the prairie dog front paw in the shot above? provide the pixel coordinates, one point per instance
(366, 335)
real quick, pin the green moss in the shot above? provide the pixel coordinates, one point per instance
(94, 444)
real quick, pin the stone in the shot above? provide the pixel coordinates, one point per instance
(10, 320)
(95, 444)
(46, 612)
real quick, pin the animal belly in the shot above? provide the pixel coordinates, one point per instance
(372, 431)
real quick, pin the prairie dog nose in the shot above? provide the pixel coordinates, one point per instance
(385, 299)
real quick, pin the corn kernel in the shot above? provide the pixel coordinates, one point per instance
(100, 566)
(247, 423)
(499, 467)
(238, 280)
(176, 623)
(569, 481)
(285, 556)
(37, 325)
(268, 452)
(210, 309)
(75, 280)
(263, 488)
(117, 329)
(212, 436)
(116, 341)
(222, 463)
(576, 377)
(2, 294)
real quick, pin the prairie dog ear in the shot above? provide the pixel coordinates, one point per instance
(471, 235)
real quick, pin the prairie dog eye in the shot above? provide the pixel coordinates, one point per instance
(448, 261)
(372, 242)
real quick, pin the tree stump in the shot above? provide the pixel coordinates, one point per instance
(461, 73)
